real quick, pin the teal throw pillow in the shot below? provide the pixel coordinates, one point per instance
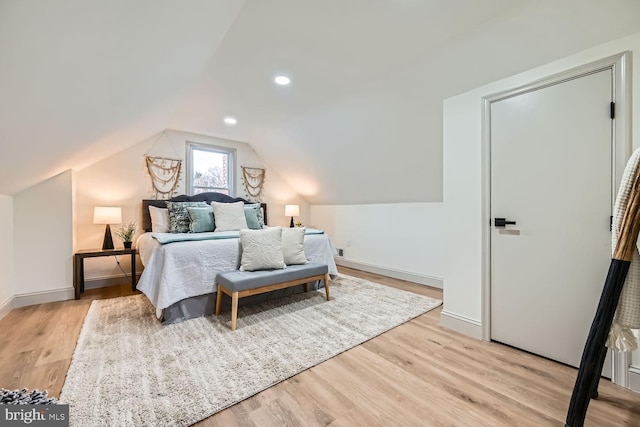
(201, 219)
(253, 214)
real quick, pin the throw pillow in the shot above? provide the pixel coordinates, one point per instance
(159, 219)
(251, 218)
(261, 249)
(293, 245)
(229, 216)
(201, 219)
(179, 217)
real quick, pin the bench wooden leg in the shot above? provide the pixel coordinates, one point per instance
(218, 301)
(326, 285)
(234, 310)
(306, 287)
(266, 288)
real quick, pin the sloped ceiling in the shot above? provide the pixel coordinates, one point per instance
(360, 123)
(83, 79)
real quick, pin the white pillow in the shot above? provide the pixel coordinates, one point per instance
(293, 245)
(261, 249)
(159, 219)
(229, 216)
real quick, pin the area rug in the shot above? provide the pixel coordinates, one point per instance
(128, 369)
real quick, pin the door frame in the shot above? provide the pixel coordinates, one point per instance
(619, 64)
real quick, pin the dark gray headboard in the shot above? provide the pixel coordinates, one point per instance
(202, 197)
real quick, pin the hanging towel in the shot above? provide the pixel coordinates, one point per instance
(627, 316)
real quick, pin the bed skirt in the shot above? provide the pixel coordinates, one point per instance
(205, 305)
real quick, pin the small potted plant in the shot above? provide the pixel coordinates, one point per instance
(126, 232)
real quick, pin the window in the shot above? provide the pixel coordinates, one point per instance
(210, 168)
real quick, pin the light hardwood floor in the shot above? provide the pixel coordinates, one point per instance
(418, 374)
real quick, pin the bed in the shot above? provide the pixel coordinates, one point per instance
(179, 274)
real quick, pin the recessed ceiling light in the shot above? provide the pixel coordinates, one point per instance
(282, 80)
(230, 120)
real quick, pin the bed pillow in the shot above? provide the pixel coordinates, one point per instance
(159, 219)
(293, 245)
(259, 213)
(261, 249)
(252, 215)
(229, 216)
(201, 219)
(179, 216)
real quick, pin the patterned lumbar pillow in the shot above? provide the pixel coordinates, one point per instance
(261, 249)
(293, 245)
(201, 219)
(229, 216)
(179, 216)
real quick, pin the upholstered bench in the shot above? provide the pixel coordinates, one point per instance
(238, 284)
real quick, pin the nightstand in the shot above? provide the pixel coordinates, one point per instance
(78, 265)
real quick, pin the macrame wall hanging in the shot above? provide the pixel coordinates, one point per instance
(253, 181)
(165, 175)
(164, 172)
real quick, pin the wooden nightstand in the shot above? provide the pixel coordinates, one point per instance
(78, 265)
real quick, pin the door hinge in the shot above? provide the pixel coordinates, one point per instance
(612, 110)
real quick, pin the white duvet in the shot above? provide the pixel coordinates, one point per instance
(180, 270)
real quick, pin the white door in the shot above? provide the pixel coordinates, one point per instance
(551, 173)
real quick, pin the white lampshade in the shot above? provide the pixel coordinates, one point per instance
(107, 215)
(291, 210)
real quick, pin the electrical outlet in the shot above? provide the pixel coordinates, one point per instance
(340, 252)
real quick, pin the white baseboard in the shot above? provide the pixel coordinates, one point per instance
(422, 279)
(6, 307)
(106, 281)
(461, 324)
(634, 378)
(43, 297)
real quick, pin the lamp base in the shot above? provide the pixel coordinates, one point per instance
(292, 224)
(107, 243)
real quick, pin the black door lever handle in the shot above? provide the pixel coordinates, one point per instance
(501, 222)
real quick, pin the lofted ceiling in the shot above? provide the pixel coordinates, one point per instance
(360, 123)
(83, 79)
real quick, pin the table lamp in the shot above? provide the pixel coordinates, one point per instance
(291, 210)
(107, 215)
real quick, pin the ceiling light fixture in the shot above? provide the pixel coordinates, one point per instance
(282, 80)
(230, 120)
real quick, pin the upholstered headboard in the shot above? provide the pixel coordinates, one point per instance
(202, 197)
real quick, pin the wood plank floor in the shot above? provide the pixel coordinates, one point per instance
(418, 374)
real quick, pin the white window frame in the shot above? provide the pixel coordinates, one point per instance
(231, 166)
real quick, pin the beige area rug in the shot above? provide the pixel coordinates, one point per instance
(129, 370)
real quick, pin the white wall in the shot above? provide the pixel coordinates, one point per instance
(43, 241)
(121, 180)
(6, 254)
(392, 239)
(635, 357)
(462, 266)
(443, 240)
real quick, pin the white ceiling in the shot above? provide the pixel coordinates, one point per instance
(360, 123)
(83, 79)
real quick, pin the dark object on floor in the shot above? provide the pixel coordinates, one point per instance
(24, 397)
(594, 353)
